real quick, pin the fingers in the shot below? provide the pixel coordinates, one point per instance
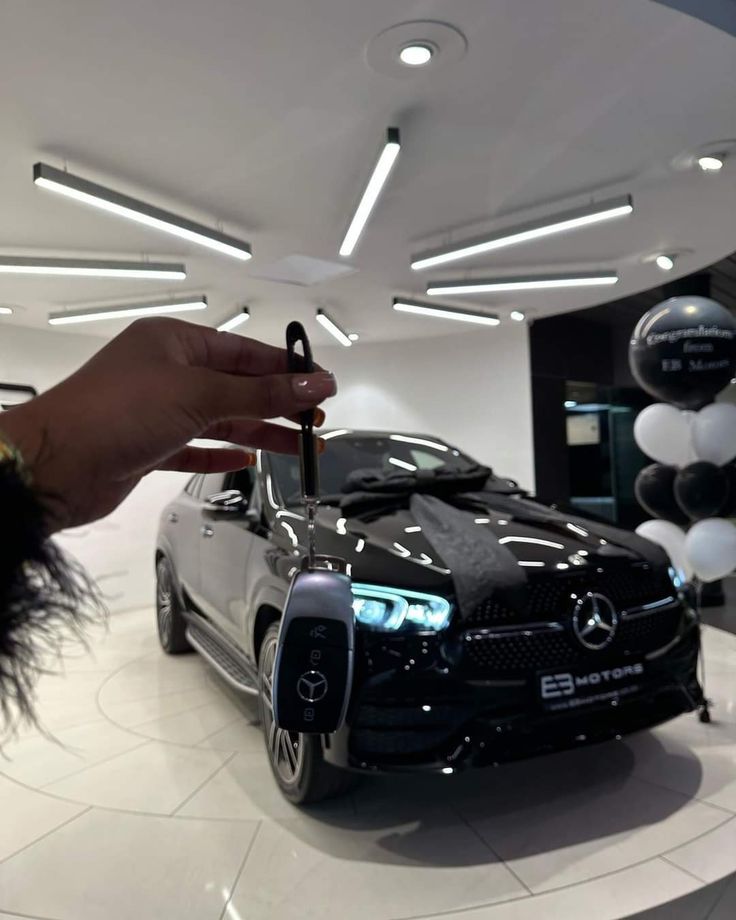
(208, 460)
(319, 418)
(262, 435)
(234, 354)
(222, 396)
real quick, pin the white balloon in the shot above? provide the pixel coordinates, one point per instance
(711, 548)
(663, 433)
(714, 433)
(672, 540)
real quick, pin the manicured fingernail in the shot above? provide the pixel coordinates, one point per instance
(321, 444)
(314, 387)
(319, 418)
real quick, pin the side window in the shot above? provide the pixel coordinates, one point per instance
(424, 460)
(243, 481)
(211, 483)
(193, 485)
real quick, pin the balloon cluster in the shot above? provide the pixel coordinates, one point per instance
(683, 351)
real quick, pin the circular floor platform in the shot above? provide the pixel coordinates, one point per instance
(158, 803)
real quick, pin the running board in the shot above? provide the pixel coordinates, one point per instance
(218, 655)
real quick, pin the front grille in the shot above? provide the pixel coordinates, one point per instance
(549, 596)
(516, 655)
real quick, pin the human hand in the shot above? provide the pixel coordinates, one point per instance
(133, 407)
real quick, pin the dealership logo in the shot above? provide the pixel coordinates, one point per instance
(312, 686)
(554, 686)
(594, 621)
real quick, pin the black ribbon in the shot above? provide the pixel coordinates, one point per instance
(445, 503)
(369, 494)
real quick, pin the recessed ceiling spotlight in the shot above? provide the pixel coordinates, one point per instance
(416, 54)
(6, 311)
(242, 316)
(170, 305)
(353, 336)
(517, 316)
(407, 49)
(665, 262)
(56, 180)
(331, 326)
(533, 230)
(402, 305)
(711, 163)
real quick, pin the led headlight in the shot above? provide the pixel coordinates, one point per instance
(677, 577)
(390, 609)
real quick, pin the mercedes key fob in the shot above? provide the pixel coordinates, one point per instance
(313, 671)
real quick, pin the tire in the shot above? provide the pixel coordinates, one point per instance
(171, 624)
(296, 760)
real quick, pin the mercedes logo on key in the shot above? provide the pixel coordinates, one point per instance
(312, 686)
(594, 621)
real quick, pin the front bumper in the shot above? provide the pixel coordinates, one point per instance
(429, 712)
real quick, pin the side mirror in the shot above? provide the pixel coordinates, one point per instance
(231, 501)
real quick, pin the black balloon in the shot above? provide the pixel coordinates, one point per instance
(729, 509)
(655, 492)
(701, 490)
(683, 351)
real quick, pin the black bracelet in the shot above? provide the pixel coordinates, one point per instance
(46, 600)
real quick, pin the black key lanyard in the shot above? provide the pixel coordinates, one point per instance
(313, 671)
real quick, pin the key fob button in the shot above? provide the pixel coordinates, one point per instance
(311, 687)
(317, 632)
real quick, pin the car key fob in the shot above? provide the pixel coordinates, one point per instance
(313, 672)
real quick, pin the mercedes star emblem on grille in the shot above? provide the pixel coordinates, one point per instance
(312, 686)
(594, 621)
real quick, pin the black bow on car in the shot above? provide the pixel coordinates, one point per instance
(371, 493)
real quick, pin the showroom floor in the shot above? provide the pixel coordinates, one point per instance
(158, 803)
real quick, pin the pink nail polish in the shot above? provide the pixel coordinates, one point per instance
(314, 387)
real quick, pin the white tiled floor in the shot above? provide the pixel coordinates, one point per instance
(158, 803)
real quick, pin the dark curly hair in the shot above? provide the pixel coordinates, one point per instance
(45, 599)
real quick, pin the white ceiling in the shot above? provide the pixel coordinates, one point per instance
(264, 118)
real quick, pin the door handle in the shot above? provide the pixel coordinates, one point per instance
(173, 517)
(206, 531)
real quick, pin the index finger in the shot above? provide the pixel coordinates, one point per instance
(234, 354)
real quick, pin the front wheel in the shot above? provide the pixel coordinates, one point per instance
(296, 760)
(171, 624)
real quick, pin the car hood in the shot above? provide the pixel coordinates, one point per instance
(394, 550)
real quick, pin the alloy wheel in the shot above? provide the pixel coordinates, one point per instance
(164, 601)
(285, 749)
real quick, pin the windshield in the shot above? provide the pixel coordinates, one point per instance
(380, 453)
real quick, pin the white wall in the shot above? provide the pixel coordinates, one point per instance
(472, 389)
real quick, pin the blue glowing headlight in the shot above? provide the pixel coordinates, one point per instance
(677, 577)
(389, 609)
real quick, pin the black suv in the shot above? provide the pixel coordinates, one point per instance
(599, 640)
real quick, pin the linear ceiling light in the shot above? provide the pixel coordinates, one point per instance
(555, 223)
(331, 326)
(464, 316)
(56, 180)
(90, 268)
(242, 316)
(170, 305)
(385, 161)
(530, 283)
